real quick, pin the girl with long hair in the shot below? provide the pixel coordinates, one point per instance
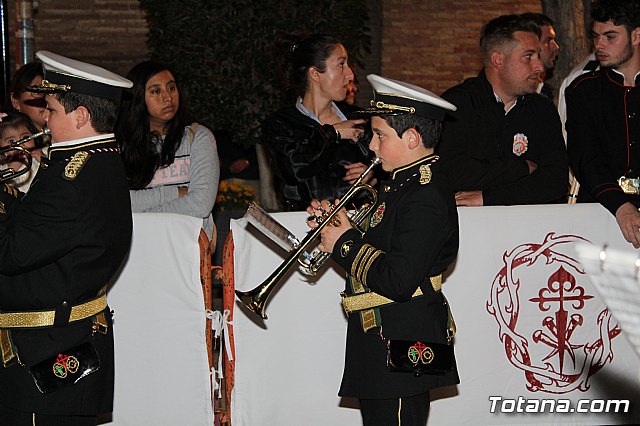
(172, 164)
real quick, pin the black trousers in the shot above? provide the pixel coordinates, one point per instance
(21, 418)
(406, 411)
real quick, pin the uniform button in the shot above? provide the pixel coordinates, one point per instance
(632, 115)
(387, 188)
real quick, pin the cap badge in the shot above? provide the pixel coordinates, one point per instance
(47, 87)
(76, 163)
(425, 174)
(346, 248)
(377, 215)
(382, 105)
(520, 144)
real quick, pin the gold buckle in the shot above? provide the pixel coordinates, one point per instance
(100, 324)
(343, 296)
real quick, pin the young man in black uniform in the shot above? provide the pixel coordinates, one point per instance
(394, 269)
(504, 145)
(603, 117)
(60, 245)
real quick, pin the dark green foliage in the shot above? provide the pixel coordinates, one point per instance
(222, 51)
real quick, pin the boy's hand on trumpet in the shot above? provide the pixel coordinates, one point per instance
(319, 210)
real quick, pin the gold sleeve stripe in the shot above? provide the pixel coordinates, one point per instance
(367, 255)
(364, 254)
(356, 261)
(365, 272)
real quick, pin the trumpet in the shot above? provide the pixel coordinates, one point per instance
(17, 149)
(255, 300)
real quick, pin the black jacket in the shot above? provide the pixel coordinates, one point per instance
(309, 158)
(63, 241)
(477, 146)
(603, 136)
(412, 235)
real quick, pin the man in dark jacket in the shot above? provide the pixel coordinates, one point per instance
(60, 246)
(394, 269)
(504, 144)
(603, 117)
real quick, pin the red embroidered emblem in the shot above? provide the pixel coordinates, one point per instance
(573, 343)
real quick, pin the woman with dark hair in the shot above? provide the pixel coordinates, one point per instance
(318, 152)
(21, 100)
(172, 166)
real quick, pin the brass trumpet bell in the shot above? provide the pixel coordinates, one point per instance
(255, 300)
(17, 149)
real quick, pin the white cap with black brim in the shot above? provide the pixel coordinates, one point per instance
(62, 74)
(393, 97)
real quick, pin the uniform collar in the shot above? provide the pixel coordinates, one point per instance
(93, 144)
(618, 77)
(409, 169)
(482, 76)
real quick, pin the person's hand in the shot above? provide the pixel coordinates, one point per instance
(628, 218)
(532, 166)
(350, 129)
(469, 198)
(353, 172)
(182, 191)
(331, 232)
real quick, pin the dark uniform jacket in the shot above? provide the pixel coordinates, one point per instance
(477, 146)
(412, 235)
(309, 157)
(603, 136)
(63, 241)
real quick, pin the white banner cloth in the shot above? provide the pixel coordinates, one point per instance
(531, 327)
(162, 369)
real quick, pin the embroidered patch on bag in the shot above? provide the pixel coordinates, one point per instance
(520, 144)
(420, 352)
(65, 364)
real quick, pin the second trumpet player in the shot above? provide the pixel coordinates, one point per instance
(400, 330)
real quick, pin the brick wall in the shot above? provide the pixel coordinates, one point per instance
(108, 33)
(431, 43)
(435, 43)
